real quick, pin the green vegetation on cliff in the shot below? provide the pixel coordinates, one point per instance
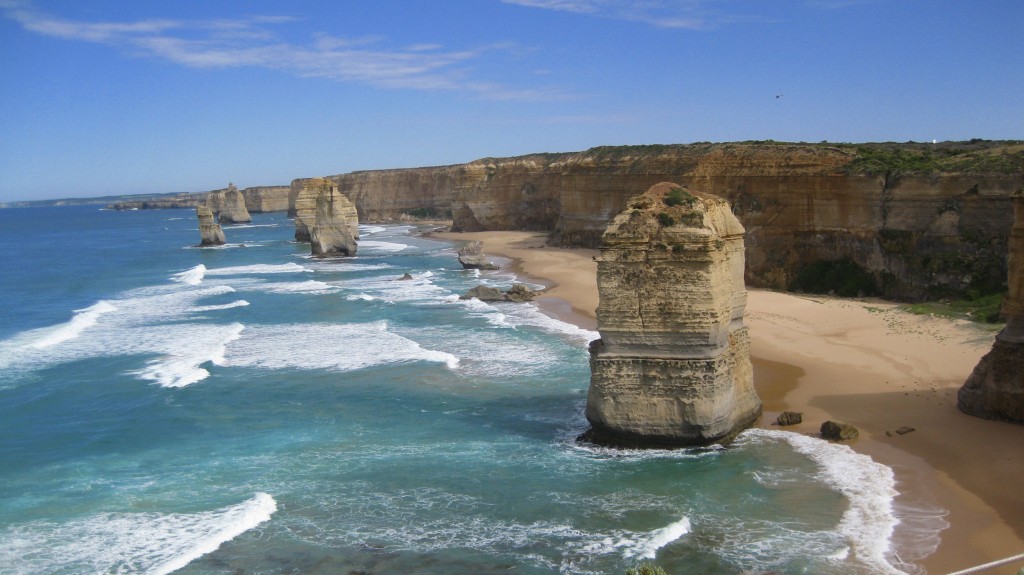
(974, 157)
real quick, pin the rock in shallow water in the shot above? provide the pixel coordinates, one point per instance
(471, 256)
(838, 431)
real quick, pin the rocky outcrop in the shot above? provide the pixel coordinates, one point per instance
(306, 208)
(838, 431)
(333, 224)
(229, 205)
(923, 221)
(209, 230)
(995, 389)
(472, 257)
(518, 293)
(672, 367)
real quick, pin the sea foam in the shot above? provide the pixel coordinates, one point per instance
(192, 276)
(152, 543)
(82, 320)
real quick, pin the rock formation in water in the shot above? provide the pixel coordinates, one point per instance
(472, 257)
(209, 229)
(264, 199)
(518, 293)
(924, 221)
(995, 389)
(306, 208)
(333, 224)
(229, 205)
(672, 367)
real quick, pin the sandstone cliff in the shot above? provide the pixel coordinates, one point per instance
(306, 207)
(672, 367)
(210, 231)
(995, 390)
(924, 221)
(229, 205)
(265, 199)
(335, 226)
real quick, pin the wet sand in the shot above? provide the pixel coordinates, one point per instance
(864, 362)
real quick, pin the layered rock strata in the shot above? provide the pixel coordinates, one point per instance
(472, 257)
(920, 233)
(263, 199)
(306, 208)
(995, 389)
(672, 367)
(229, 205)
(333, 224)
(210, 231)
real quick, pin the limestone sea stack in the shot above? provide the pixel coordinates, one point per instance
(229, 205)
(333, 224)
(672, 367)
(305, 208)
(209, 229)
(995, 389)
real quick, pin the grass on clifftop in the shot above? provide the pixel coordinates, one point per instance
(975, 157)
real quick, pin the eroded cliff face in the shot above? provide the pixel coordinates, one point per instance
(672, 367)
(229, 205)
(918, 236)
(210, 232)
(264, 199)
(995, 389)
(335, 225)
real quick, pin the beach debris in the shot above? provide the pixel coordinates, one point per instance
(472, 257)
(789, 418)
(905, 430)
(838, 431)
(518, 293)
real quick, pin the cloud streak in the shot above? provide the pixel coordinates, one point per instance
(679, 14)
(253, 42)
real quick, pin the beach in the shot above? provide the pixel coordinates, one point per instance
(864, 362)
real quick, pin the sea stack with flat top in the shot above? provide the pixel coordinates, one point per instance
(229, 205)
(672, 367)
(995, 389)
(209, 230)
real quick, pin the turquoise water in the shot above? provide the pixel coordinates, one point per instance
(247, 409)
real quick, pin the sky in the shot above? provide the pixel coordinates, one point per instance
(104, 97)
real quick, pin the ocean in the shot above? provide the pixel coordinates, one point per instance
(248, 409)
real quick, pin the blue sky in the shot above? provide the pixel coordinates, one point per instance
(112, 97)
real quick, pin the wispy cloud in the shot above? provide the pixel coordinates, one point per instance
(679, 14)
(253, 42)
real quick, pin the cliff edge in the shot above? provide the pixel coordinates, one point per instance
(995, 389)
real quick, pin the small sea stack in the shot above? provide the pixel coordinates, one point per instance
(472, 257)
(336, 224)
(209, 230)
(995, 389)
(672, 367)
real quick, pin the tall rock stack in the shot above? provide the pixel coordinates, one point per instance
(995, 389)
(672, 367)
(209, 229)
(306, 206)
(336, 225)
(229, 205)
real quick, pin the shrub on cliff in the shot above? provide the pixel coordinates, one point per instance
(679, 197)
(843, 277)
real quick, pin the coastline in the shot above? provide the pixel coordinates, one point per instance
(892, 369)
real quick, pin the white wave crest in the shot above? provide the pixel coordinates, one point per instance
(152, 543)
(234, 304)
(181, 366)
(382, 246)
(868, 523)
(82, 320)
(193, 276)
(286, 268)
(338, 347)
(640, 545)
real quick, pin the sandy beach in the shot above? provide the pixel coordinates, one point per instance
(864, 362)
